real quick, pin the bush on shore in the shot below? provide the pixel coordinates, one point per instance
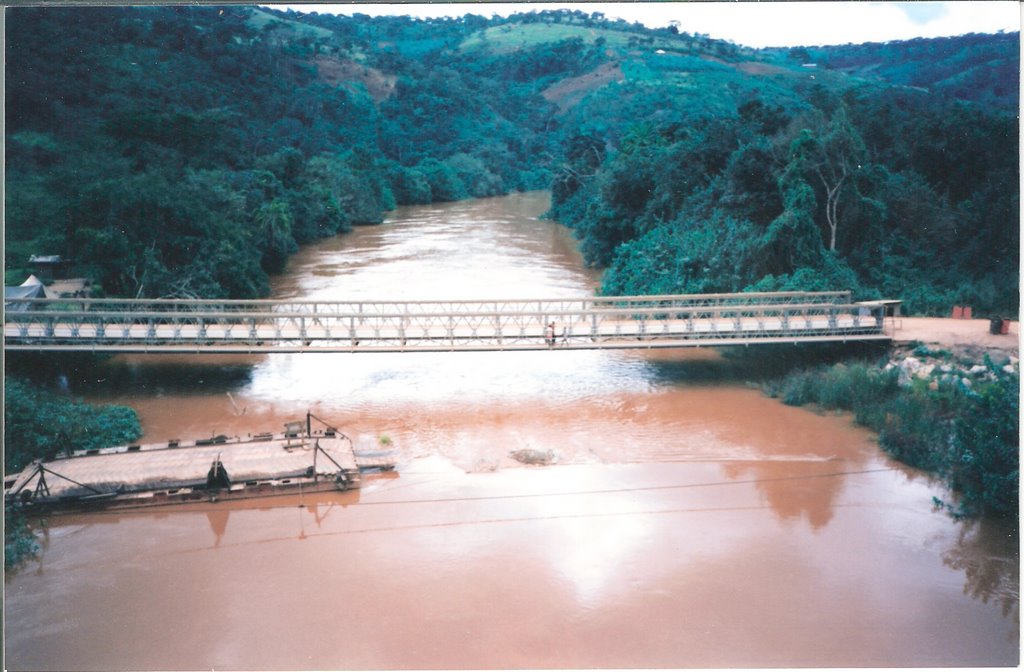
(20, 543)
(40, 423)
(963, 429)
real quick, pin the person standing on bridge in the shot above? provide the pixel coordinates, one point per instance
(549, 334)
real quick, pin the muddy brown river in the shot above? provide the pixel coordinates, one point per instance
(685, 519)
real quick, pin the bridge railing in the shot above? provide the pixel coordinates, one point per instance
(336, 327)
(420, 307)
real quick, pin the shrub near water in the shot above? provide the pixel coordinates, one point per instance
(38, 424)
(966, 433)
(985, 465)
(842, 386)
(19, 542)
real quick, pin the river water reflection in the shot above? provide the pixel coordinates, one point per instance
(687, 519)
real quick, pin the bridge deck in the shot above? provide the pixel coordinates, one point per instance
(592, 323)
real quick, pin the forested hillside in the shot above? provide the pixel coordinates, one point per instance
(972, 67)
(184, 151)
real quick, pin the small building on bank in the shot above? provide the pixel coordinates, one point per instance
(49, 267)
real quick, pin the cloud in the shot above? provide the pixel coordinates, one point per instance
(779, 24)
(923, 13)
(755, 24)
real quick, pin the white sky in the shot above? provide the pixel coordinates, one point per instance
(754, 24)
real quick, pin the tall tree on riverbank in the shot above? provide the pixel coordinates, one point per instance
(835, 153)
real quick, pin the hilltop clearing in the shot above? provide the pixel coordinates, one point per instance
(569, 92)
(346, 72)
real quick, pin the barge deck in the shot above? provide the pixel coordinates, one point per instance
(219, 468)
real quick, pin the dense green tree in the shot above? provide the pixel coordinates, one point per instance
(274, 234)
(41, 423)
(834, 152)
(410, 186)
(445, 184)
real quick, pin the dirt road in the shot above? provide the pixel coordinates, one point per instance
(957, 334)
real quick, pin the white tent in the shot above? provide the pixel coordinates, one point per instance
(32, 288)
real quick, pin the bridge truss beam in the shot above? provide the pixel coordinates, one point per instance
(590, 323)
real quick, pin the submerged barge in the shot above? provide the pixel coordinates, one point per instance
(298, 460)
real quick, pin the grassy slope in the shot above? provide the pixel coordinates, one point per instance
(259, 20)
(679, 65)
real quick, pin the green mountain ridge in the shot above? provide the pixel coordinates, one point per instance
(182, 151)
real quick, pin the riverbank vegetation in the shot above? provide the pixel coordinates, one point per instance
(955, 419)
(810, 187)
(40, 423)
(20, 544)
(187, 151)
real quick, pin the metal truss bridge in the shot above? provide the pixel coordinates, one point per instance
(213, 326)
